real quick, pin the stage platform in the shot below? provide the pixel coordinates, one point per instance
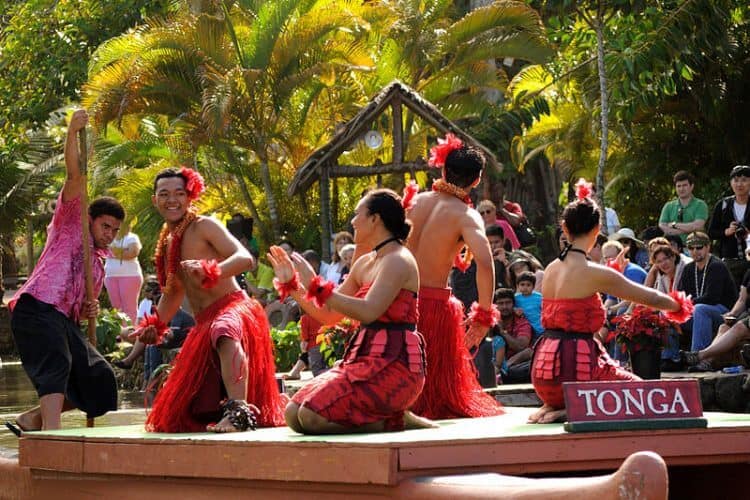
(273, 463)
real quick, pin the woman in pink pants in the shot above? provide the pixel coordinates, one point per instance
(123, 276)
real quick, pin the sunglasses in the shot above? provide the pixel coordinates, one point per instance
(679, 214)
(697, 247)
(485, 212)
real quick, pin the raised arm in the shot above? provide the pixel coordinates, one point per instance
(72, 186)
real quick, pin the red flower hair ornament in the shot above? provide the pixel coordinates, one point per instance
(439, 153)
(410, 191)
(195, 184)
(583, 189)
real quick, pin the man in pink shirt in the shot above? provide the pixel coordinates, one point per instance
(67, 372)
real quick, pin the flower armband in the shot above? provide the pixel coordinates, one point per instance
(286, 289)
(212, 271)
(154, 320)
(685, 312)
(484, 317)
(319, 291)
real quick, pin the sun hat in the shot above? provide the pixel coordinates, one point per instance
(625, 234)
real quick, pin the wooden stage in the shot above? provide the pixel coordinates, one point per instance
(126, 461)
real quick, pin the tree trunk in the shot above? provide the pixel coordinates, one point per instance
(273, 212)
(603, 145)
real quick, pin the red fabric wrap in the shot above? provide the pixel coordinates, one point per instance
(212, 273)
(319, 291)
(485, 317)
(559, 360)
(451, 389)
(381, 374)
(192, 394)
(685, 312)
(285, 289)
(153, 320)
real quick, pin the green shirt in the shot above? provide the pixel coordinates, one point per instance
(695, 209)
(263, 279)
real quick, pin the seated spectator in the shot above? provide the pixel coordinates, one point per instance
(347, 253)
(595, 254)
(613, 251)
(708, 281)
(529, 301)
(496, 237)
(677, 244)
(636, 251)
(522, 261)
(560, 238)
(333, 271)
(513, 333)
(488, 211)
(179, 328)
(259, 280)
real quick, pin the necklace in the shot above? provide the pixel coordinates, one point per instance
(166, 271)
(443, 186)
(699, 291)
(569, 248)
(384, 243)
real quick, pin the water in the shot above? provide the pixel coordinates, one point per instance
(17, 395)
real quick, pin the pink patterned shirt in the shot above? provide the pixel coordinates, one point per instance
(58, 278)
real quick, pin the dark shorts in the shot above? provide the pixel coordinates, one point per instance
(59, 360)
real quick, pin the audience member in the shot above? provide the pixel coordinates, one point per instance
(730, 222)
(488, 211)
(612, 251)
(513, 333)
(686, 213)
(511, 212)
(595, 254)
(636, 252)
(347, 253)
(708, 280)
(179, 328)
(611, 221)
(464, 283)
(522, 261)
(333, 271)
(259, 280)
(529, 301)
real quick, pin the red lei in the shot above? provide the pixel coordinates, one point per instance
(166, 271)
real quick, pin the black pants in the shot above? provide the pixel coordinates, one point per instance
(58, 359)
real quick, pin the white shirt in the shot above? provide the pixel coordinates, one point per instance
(739, 211)
(144, 308)
(332, 272)
(613, 222)
(123, 267)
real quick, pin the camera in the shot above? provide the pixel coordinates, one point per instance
(741, 231)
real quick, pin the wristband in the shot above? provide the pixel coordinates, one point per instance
(153, 320)
(685, 312)
(285, 289)
(212, 271)
(484, 317)
(319, 291)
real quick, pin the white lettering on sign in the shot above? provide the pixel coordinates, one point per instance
(611, 402)
(631, 400)
(615, 398)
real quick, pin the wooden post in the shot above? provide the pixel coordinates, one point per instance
(86, 235)
(398, 132)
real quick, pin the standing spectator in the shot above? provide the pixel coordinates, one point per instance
(347, 253)
(730, 222)
(488, 211)
(241, 227)
(511, 212)
(332, 271)
(123, 277)
(710, 284)
(464, 283)
(611, 220)
(686, 213)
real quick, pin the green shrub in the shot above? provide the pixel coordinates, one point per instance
(286, 345)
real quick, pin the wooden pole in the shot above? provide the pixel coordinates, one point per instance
(86, 235)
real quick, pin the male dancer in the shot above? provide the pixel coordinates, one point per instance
(443, 222)
(67, 371)
(228, 355)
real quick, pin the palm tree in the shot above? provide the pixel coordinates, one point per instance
(234, 74)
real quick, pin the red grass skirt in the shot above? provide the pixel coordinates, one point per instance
(570, 357)
(191, 396)
(451, 389)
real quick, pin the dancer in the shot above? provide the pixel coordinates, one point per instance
(225, 371)
(443, 222)
(572, 311)
(67, 371)
(382, 372)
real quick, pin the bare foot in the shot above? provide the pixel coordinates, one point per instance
(223, 426)
(412, 421)
(546, 415)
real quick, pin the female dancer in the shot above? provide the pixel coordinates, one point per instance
(572, 311)
(382, 372)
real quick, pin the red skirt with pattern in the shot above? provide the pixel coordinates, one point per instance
(570, 357)
(380, 377)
